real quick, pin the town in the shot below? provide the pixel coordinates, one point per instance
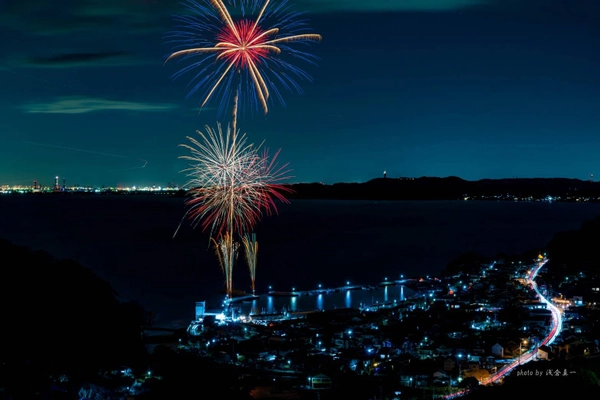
(471, 327)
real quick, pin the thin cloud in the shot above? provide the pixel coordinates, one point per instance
(42, 18)
(116, 26)
(82, 105)
(105, 17)
(391, 5)
(67, 60)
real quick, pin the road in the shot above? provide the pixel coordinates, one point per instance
(530, 354)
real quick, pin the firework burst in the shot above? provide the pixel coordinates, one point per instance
(242, 54)
(232, 183)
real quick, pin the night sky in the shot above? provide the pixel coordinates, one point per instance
(469, 88)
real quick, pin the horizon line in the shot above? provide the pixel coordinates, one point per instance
(15, 183)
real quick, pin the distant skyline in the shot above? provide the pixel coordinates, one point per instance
(469, 88)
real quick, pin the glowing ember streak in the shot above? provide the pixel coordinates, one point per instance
(226, 250)
(251, 250)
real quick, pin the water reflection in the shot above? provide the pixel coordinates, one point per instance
(270, 307)
(293, 302)
(320, 302)
(348, 299)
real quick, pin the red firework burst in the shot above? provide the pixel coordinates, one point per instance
(244, 45)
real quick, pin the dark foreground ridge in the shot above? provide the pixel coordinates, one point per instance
(450, 188)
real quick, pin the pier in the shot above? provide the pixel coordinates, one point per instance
(276, 305)
(313, 292)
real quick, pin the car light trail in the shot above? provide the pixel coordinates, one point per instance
(529, 355)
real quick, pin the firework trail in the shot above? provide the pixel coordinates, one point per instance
(251, 250)
(226, 250)
(241, 55)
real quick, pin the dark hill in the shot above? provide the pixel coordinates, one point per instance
(572, 252)
(59, 316)
(450, 188)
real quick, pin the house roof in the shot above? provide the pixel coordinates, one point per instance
(320, 376)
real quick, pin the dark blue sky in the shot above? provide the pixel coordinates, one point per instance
(471, 88)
